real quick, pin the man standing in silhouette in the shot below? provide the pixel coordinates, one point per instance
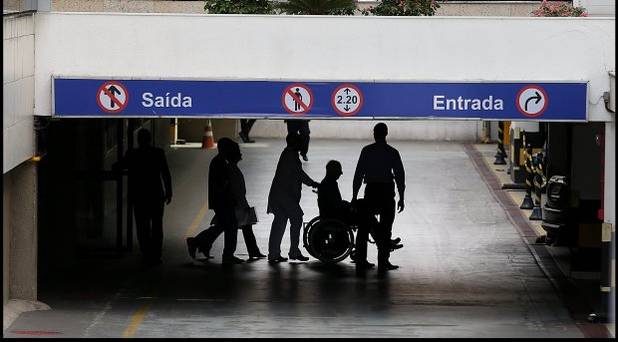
(284, 202)
(301, 129)
(150, 187)
(380, 168)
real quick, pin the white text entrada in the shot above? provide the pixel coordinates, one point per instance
(440, 102)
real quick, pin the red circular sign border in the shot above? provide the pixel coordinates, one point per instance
(285, 92)
(524, 89)
(360, 95)
(126, 96)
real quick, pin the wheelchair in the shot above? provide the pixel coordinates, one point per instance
(329, 240)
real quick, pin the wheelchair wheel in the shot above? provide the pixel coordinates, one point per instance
(328, 240)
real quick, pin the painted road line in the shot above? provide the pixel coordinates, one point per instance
(196, 221)
(136, 320)
(140, 314)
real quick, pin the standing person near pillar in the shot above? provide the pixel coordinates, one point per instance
(150, 188)
(380, 168)
(284, 202)
(300, 128)
(245, 128)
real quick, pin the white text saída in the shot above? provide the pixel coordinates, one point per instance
(175, 101)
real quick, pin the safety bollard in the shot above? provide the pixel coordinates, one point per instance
(501, 153)
(539, 182)
(527, 202)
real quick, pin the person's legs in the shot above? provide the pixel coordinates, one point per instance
(156, 240)
(142, 226)
(304, 132)
(276, 235)
(227, 221)
(252, 247)
(207, 237)
(296, 222)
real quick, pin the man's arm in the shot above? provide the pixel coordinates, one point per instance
(359, 174)
(304, 177)
(167, 178)
(400, 179)
(122, 163)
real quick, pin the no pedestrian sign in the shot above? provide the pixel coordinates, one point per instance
(277, 99)
(112, 97)
(297, 99)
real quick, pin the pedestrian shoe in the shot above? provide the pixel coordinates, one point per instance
(305, 157)
(396, 241)
(390, 266)
(257, 256)
(277, 260)
(232, 260)
(244, 137)
(394, 247)
(191, 246)
(299, 257)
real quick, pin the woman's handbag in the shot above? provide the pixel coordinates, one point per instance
(246, 216)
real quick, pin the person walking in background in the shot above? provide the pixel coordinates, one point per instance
(221, 197)
(204, 240)
(378, 165)
(301, 129)
(150, 188)
(245, 128)
(284, 201)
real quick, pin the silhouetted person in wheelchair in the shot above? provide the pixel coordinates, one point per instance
(380, 168)
(332, 206)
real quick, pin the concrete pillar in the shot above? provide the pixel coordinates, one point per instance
(20, 227)
(610, 218)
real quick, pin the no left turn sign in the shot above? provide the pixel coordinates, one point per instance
(297, 99)
(112, 97)
(347, 99)
(532, 100)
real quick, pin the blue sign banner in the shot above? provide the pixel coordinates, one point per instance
(546, 101)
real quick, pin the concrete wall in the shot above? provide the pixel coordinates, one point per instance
(257, 47)
(18, 90)
(20, 232)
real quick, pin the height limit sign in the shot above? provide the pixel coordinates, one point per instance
(297, 99)
(347, 100)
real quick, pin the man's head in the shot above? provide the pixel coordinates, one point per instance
(333, 169)
(293, 141)
(380, 131)
(143, 138)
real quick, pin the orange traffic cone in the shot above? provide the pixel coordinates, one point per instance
(208, 140)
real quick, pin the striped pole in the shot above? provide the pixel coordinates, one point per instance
(501, 153)
(527, 202)
(537, 169)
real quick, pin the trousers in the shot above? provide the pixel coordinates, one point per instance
(277, 229)
(149, 226)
